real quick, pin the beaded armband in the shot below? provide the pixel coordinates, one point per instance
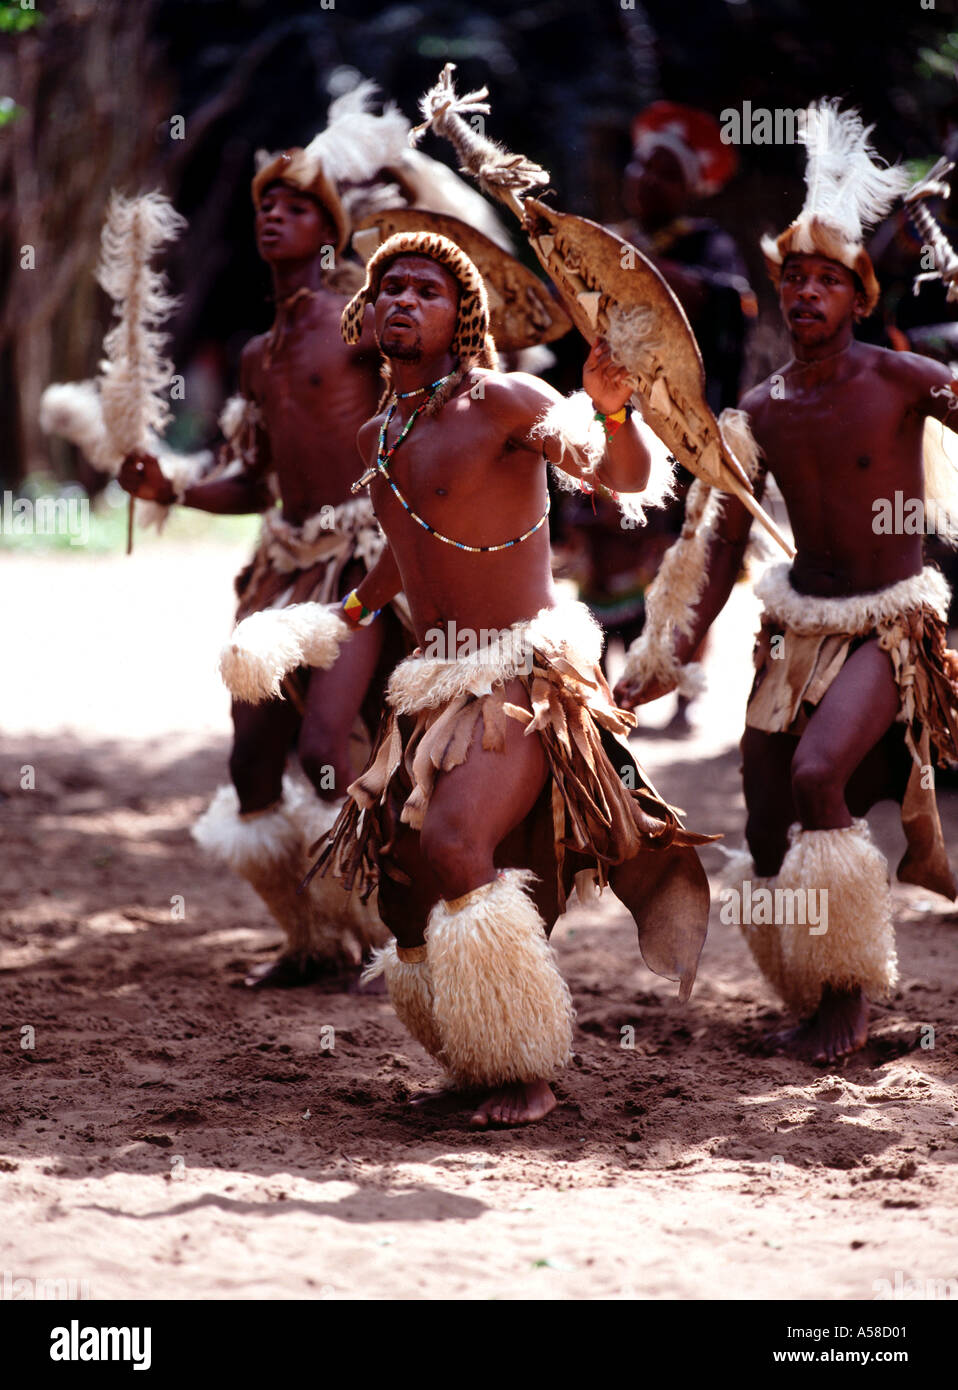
(610, 423)
(356, 613)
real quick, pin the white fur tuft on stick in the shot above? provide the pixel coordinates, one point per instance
(498, 170)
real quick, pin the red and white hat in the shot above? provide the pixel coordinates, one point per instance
(693, 136)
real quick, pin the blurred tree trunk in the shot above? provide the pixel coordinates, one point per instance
(91, 102)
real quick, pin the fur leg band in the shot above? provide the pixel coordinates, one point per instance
(858, 945)
(270, 850)
(504, 1011)
(409, 983)
(672, 598)
(267, 645)
(764, 941)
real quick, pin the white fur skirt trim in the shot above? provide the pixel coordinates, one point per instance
(856, 614)
(566, 631)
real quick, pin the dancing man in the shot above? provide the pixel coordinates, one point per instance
(500, 775)
(855, 694)
(292, 435)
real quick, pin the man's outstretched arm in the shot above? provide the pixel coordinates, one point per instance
(247, 491)
(723, 562)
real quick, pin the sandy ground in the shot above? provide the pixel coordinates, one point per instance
(169, 1135)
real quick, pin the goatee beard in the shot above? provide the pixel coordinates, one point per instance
(407, 352)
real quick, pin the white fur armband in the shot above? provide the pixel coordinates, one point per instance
(647, 662)
(266, 646)
(571, 421)
(672, 597)
(660, 486)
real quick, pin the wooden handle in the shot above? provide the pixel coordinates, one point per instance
(749, 500)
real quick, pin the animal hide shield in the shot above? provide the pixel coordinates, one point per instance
(613, 292)
(610, 290)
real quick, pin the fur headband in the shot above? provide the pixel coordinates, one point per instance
(472, 343)
(297, 170)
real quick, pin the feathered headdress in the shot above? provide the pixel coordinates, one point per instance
(848, 191)
(362, 164)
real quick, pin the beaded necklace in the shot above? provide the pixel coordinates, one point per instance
(384, 457)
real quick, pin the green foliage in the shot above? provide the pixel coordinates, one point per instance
(9, 111)
(16, 18)
(939, 63)
(919, 168)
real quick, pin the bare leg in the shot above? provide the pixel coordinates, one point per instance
(333, 700)
(475, 806)
(262, 738)
(767, 782)
(857, 711)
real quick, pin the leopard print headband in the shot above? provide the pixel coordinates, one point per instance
(472, 341)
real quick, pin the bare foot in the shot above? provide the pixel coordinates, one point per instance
(519, 1104)
(679, 726)
(445, 1100)
(838, 1027)
(287, 972)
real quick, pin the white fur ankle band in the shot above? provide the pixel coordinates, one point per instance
(503, 1009)
(857, 947)
(409, 984)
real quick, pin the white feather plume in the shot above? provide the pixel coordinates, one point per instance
(437, 188)
(849, 187)
(356, 143)
(135, 374)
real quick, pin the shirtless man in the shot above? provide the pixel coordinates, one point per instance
(852, 639)
(459, 802)
(304, 393)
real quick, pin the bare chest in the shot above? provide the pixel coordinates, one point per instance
(850, 443)
(315, 379)
(462, 483)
